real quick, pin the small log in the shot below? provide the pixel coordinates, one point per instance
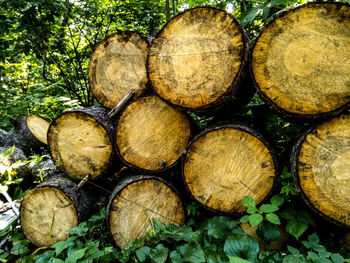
(321, 169)
(118, 65)
(198, 58)
(28, 134)
(300, 61)
(135, 201)
(3, 135)
(224, 164)
(51, 208)
(151, 134)
(82, 142)
(45, 169)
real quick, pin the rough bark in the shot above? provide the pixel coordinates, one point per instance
(225, 163)
(198, 58)
(299, 61)
(3, 135)
(82, 142)
(135, 201)
(320, 163)
(50, 209)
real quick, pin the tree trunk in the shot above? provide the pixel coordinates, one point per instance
(226, 163)
(135, 201)
(82, 142)
(28, 134)
(299, 61)
(53, 207)
(321, 168)
(118, 65)
(151, 135)
(198, 58)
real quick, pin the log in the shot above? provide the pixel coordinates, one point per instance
(28, 134)
(7, 164)
(197, 59)
(135, 201)
(82, 142)
(151, 134)
(300, 61)
(321, 168)
(51, 208)
(117, 65)
(226, 163)
(3, 135)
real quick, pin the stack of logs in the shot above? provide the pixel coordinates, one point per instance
(200, 61)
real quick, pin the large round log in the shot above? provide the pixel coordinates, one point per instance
(151, 134)
(82, 142)
(135, 201)
(224, 164)
(321, 168)
(300, 61)
(117, 65)
(28, 134)
(50, 209)
(197, 58)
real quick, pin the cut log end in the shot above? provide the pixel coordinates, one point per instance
(322, 169)
(46, 215)
(196, 57)
(132, 208)
(80, 145)
(151, 134)
(300, 60)
(38, 126)
(224, 165)
(117, 65)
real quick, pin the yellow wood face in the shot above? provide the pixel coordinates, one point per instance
(136, 205)
(324, 168)
(196, 57)
(39, 127)
(302, 61)
(150, 132)
(46, 215)
(117, 66)
(224, 165)
(79, 145)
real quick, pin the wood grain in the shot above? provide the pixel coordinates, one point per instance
(300, 61)
(38, 126)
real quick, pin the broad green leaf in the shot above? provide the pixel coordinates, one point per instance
(191, 253)
(237, 260)
(296, 229)
(143, 253)
(324, 260)
(249, 202)
(288, 213)
(268, 232)
(221, 226)
(291, 259)
(277, 200)
(60, 246)
(267, 208)
(244, 219)
(337, 258)
(158, 226)
(76, 255)
(56, 260)
(242, 246)
(159, 254)
(273, 218)
(293, 250)
(255, 219)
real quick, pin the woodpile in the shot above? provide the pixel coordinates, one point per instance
(199, 62)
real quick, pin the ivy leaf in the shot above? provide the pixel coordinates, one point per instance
(296, 228)
(268, 232)
(76, 255)
(242, 246)
(143, 253)
(255, 219)
(277, 200)
(337, 258)
(249, 202)
(221, 226)
(158, 226)
(159, 254)
(273, 218)
(60, 246)
(267, 208)
(188, 253)
(237, 260)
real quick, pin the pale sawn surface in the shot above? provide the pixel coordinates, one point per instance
(134, 207)
(225, 165)
(324, 168)
(301, 61)
(196, 57)
(150, 133)
(46, 215)
(38, 126)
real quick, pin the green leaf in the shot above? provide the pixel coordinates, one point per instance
(268, 232)
(273, 218)
(288, 213)
(237, 260)
(60, 246)
(249, 202)
(242, 246)
(76, 255)
(188, 253)
(296, 228)
(159, 254)
(277, 200)
(221, 226)
(291, 259)
(267, 208)
(293, 250)
(255, 219)
(158, 226)
(143, 253)
(244, 219)
(80, 230)
(337, 258)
